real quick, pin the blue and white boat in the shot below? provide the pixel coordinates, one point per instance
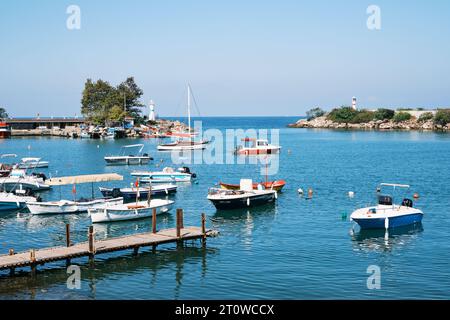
(10, 202)
(168, 175)
(386, 214)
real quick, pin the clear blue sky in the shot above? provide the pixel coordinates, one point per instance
(252, 58)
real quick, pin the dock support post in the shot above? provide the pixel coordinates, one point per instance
(135, 251)
(68, 235)
(179, 216)
(203, 228)
(91, 241)
(154, 220)
(11, 270)
(33, 261)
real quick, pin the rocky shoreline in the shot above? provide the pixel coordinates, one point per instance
(413, 124)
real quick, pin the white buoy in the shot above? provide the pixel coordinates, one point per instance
(300, 190)
(386, 223)
(248, 202)
(351, 194)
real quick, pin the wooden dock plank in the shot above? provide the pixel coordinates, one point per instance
(46, 255)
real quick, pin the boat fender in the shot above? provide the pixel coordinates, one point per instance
(248, 202)
(276, 195)
(167, 192)
(386, 223)
(116, 193)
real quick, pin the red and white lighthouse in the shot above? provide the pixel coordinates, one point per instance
(354, 103)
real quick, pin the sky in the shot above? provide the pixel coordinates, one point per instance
(266, 58)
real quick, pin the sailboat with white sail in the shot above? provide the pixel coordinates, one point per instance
(187, 144)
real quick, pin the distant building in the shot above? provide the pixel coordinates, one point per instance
(152, 116)
(354, 103)
(128, 122)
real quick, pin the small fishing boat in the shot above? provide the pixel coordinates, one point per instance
(6, 168)
(12, 202)
(31, 163)
(268, 185)
(5, 130)
(138, 210)
(85, 135)
(243, 198)
(70, 207)
(131, 193)
(386, 214)
(123, 159)
(18, 179)
(167, 175)
(255, 147)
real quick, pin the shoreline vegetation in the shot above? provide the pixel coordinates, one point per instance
(346, 117)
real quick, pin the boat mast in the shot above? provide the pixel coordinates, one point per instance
(189, 109)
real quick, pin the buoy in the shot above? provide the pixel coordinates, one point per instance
(378, 189)
(289, 151)
(98, 146)
(351, 194)
(416, 196)
(300, 191)
(344, 216)
(310, 193)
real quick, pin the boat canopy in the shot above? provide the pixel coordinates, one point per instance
(89, 178)
(31, 159)
(394, 185)
(141, 146)
(9, 155)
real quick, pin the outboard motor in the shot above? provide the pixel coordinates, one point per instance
(186, 170)
(407, 203)
(385, 200)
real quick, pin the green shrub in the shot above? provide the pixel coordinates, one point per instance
(363, 116)
(426, 116)
(342, 115)
(401, 116)
(442, 117)
(384, 114)
(314, 113)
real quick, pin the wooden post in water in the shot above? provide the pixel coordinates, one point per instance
(91, 240)
(154, 220)
(179, 215)
(11, 252)
(67, 235)
(11, 270)
(204, 228)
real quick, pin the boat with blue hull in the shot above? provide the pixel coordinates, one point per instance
(130, 194)
(386, 214)
(168, 175)
(10, 202)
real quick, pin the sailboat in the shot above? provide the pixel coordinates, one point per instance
(188, 144)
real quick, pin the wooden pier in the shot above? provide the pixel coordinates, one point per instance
(91, 248)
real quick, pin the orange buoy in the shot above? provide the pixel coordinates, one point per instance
(416, 196)
(310, 193)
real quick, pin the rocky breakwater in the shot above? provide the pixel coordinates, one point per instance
(412, 124)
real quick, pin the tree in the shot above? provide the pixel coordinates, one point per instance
(99, 98)
(426, 116)
(116, 114)
(3, 113)
(343, 114)
(401, 117)
(442, 117)
(384, 114)
(314, 113)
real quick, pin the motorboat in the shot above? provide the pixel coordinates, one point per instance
(18, 179)
(276, 185)
(70, 207)
(168, 174)
(243, 198)
(131, 211)
(31, 163)
(64, 206)
(140, 192)
(13, 202)
(386, 214)
(5, 168)
(123, 159)
(85, 135)
(256, 146)
(187, 144)
(5, 130)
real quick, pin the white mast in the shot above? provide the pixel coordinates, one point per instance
(189, 108)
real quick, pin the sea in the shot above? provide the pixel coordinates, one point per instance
(297, 248)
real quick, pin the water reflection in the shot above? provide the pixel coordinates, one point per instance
(380, 240)
(24, 285)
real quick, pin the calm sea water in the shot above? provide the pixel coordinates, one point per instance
(296, 249)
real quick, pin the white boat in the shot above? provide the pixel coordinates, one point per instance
(257, 146)
(18, 179)
(67, 206)
(386, 214)
(188, 144)
(13, 202)
(131, 211)
(85, 135)
(130, 194)
(31, 163)
(167, 175)
(123, 159)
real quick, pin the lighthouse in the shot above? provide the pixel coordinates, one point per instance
(354, 103)
(151, 116)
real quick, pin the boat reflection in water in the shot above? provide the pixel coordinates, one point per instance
(380, 240)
